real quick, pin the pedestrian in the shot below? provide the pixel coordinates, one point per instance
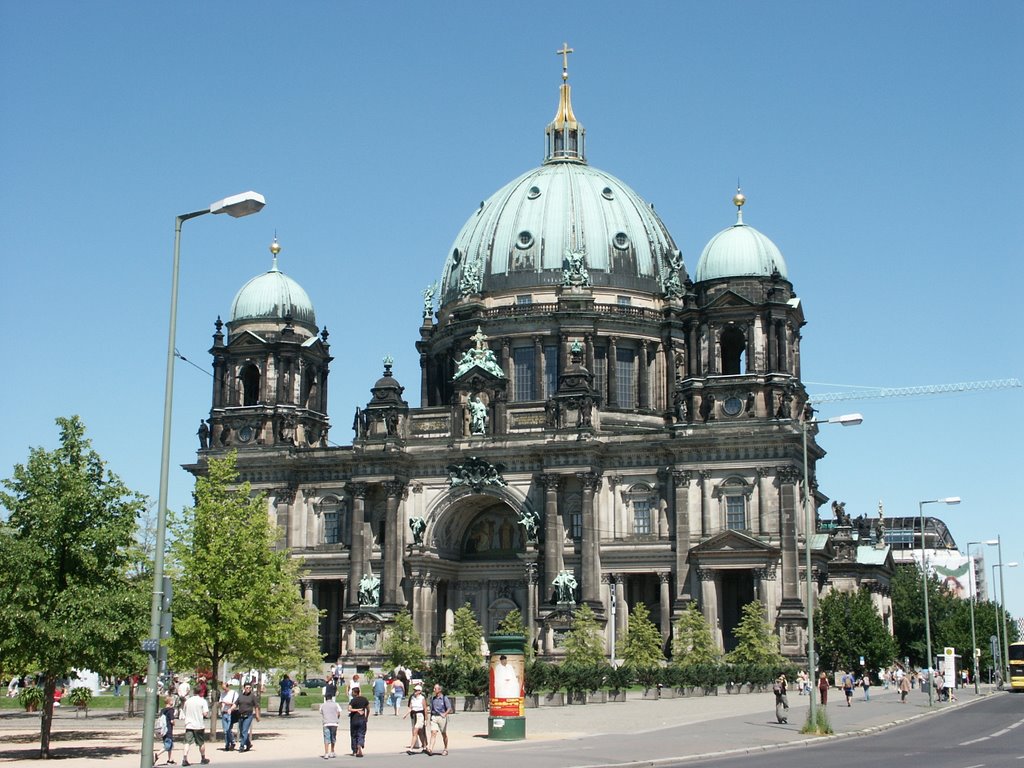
(417, 716)
(397, 693)
(440, 708)
(165, 721)
(202, 689)
(195, 711)
(904, 688)
(781, 699)
(330, 690)
(380, 689)
(248, 705)
(228, 714)
(823, 689)
(358, 710)
(865, 683)
(287, 686)
(848, 687)
(330, 714)
(940, 686)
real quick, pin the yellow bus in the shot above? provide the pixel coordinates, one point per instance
(1016, 653)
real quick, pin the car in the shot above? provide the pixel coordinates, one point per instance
(314, 682)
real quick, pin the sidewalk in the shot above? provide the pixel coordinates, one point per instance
(588, 735)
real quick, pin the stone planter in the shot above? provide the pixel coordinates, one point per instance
(577, 697)
(531, 700)
(667, 693)
(597, 697)
(617, 696)
(651, 694)
(554, 699)
(475, 704)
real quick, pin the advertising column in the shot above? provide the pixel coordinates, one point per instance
(507, 719)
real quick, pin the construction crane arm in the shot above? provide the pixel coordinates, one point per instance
(928, 389)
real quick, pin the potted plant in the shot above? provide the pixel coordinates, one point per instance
(477, 683)
(31, 697)
(616, 681)
(537, 675)
(648, 677)
(556, 681)
(80, 697)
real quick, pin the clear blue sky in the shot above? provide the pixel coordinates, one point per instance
(878, 145)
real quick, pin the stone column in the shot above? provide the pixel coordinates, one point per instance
(391, 577)
(356, 563)
(621, 609)
(705, 502)
(709, 602)
(762, 500)
(506, 357)
(589, 341)
(538, 368)
(424, 381)
(643, 395)
(663, 501)
(532, 605)
(772, 356)
(618, 512)
(665, 597)
(553, 535)
(751, 361)
(788, 478)
(613, 376)
(693, 348)
(591, 544)
(681, 504)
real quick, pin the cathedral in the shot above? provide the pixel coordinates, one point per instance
(595, 425)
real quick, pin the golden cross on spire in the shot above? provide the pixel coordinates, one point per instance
(564, 53)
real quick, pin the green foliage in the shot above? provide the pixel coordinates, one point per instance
(643, 640)
(236, 595)
(476, 681)
(821, 726)
(445, 674)
(583, 644)
(693, 643)
(79, 697)
(402, 644)
(537, 677)
(847, 626)
(617, 678)
(462, 644)
(647, 676)
(513, 624)
(31, 696)
(757, 644)
(66, 597)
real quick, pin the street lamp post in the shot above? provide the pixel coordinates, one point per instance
(1004, 657)
(974, 599)
(848, 420)
(924, 577)
(236, 206)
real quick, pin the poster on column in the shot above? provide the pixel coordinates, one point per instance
(507, 686)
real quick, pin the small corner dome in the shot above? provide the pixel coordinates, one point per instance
(273, 296)
(740, 251)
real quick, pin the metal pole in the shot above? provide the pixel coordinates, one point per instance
(809, 530)
(997, 659)
(973, 597)
(927, 620)
(1005, 661)
(152, 644)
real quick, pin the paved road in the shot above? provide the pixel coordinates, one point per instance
(636, 731)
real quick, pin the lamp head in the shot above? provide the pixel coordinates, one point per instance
(243, 204)
(951, 500)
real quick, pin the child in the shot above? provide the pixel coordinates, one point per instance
(167, 713)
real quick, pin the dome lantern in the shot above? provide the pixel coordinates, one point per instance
(565, 134)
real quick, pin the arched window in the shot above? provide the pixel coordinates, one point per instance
(250, 384)
(335, 520)
(641, 501)
(733, 344)
(734, 494)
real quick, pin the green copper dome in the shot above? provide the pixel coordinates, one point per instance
(740, 251)
(273, 296)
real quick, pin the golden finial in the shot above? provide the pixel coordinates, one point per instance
(738, 200)
(564, 53)
(275, 248)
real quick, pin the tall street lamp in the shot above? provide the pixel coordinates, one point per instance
(236, 206)
(974, 598)
(1004, 661)
(848, 420)
(924, 576)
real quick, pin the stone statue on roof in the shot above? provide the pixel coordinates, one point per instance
(574, 269)
(481, 356)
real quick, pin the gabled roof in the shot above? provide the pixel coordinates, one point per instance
(734, 549)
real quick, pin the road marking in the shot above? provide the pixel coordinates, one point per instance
(1003, 732)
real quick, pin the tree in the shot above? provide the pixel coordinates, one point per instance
(849, 627)
(693, 643)
(513, 624)
(66, 598)
(757, 644)
(462, 644)
(236, 595)
(402, 644)
(583, 644)
(643, 640)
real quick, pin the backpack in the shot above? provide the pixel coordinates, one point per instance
(160, 726)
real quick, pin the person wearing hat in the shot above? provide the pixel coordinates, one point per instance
(417, 714)
(358, 709)
(781, 700)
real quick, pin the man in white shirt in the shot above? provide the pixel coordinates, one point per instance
(195, 711)
(228, 716)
